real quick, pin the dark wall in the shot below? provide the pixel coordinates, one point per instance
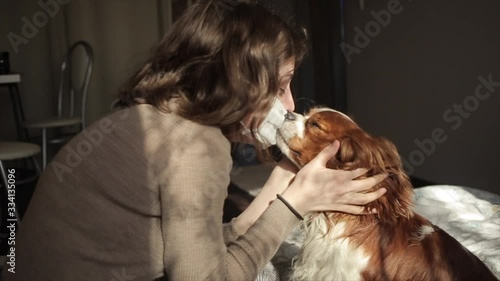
(414, 80)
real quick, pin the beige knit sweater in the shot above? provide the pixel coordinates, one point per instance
(137, 195)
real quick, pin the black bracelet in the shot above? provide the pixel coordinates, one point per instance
(290, 207)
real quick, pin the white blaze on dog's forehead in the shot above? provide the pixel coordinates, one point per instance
(292, 128)
(301, 126)
(333, 110)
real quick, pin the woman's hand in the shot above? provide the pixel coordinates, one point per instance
(317, 188)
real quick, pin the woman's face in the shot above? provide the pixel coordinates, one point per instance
(284, 95)
(285, 92)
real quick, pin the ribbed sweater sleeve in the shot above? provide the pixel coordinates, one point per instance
(193, 187)
(229, 233)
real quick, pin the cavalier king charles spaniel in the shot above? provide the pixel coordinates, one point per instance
(393, 244)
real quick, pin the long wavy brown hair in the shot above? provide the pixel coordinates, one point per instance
(220, 61)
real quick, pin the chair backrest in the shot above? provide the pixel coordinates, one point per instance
(76, 70)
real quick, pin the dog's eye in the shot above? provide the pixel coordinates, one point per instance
(313, 124)
(296, 152)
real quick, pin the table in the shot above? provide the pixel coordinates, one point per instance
(11, 81)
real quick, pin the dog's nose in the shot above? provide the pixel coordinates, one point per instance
(289, 116)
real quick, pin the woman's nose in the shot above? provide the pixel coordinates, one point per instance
(289, 104)
(287, 99)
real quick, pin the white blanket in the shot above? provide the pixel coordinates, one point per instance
(471, 216)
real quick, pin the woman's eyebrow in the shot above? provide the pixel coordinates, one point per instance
(288, 75)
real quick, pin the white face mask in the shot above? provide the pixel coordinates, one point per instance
(266, 133)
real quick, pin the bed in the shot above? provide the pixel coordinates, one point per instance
(470, 215)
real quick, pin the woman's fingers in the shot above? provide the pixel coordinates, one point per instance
(364, 198)
(357, 173)
(356, 210)
(326, 154)
(364, 184)
(330, 189)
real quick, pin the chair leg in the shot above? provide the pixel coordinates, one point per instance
(44, 148)
(36, 165)
(6, 185)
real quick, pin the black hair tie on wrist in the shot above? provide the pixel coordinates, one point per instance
(290, 207)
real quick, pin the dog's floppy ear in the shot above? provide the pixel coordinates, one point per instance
(356, 151)
(378, 155)
(397, 202)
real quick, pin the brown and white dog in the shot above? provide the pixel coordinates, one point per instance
(395, 244)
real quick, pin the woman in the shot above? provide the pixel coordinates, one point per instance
(139, 194)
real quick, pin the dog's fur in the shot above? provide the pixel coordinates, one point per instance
(395, 244)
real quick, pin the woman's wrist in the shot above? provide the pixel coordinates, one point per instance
(241, 224)
(258, 205)
(280, 179)
(278, 182)
(295, 200)
(292, 209)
